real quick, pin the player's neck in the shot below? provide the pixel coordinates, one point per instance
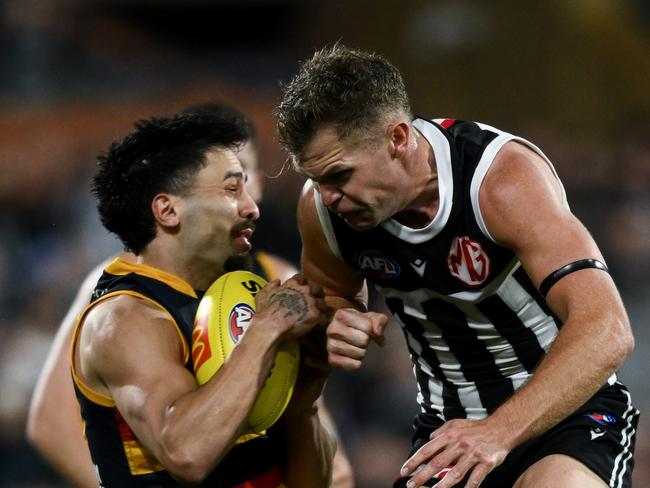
(197, 273)
(425, 203)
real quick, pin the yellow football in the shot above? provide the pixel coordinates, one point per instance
(221, 320)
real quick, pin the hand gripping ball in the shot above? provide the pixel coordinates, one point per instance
(224, 313)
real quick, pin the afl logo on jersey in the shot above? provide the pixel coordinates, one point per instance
(375, 265)
(468, 262)
(240, 318)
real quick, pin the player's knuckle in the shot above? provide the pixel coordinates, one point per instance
(335, 331)
(359, 354)
(335, 347)
(447, 437)
(465, 442)
(350, 364)
(341, 314)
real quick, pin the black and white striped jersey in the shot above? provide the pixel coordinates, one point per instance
(475, 325)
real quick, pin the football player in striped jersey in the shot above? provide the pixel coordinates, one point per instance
(513, 323)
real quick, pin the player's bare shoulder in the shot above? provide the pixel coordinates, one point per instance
(118, 323)
(308, 221)
(518, 168)
(116, 315)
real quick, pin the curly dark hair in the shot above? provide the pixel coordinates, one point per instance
(350, 89)
(162, 154)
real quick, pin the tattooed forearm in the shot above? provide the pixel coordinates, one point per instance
(292, 302)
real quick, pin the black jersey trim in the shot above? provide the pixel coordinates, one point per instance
(560, 273)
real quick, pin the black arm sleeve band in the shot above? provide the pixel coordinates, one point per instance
(558, 274)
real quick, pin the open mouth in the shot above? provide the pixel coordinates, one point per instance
(242, 234)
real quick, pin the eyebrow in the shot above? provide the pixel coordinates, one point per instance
(331, 172)
(235, 174)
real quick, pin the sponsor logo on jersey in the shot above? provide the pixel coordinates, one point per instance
(419, 266)
(239, 319)
(596, 433)
(201, 351)
(468, 262)
(377, 265)
(99, 292)
(601, 418)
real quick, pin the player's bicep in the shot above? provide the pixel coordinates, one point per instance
(136, 354)
(318, 261)
(524, 210)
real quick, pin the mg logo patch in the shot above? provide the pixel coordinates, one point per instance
(376, 265)
(239, 319)
(468, 262)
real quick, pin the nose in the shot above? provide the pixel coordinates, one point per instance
(248, 209)
(329, 194)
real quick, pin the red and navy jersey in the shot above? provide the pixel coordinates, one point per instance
(121, 460)
(475, 325)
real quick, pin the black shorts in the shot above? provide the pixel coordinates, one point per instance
(600, 435)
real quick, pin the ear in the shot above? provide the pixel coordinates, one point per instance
(398, 138)
(165, 210)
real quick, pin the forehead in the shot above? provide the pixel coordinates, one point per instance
(247, 155)
(220, 163)
(324, 149)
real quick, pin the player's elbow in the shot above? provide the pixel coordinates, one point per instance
(622, 341)
(185, 468)
(186, 461)
(627, 343)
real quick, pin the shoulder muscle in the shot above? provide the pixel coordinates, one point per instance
(319, 263)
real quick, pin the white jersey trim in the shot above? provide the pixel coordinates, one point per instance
(324, 218)
(621, 462)
(442, 155)
(485, 163)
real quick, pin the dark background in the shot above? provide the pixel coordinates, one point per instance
(572, 77)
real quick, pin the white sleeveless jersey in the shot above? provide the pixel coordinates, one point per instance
(475, 325)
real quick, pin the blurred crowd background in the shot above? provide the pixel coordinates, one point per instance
(573, 77)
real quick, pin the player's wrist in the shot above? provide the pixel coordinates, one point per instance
(265, 327)
(508, 427)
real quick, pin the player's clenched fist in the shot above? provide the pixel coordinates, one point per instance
(296, 306)
(349, 334)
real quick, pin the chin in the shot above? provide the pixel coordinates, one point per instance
(239, 262)
(362, 223)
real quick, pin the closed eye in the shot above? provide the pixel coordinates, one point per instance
(336, 177)
(233, 185)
